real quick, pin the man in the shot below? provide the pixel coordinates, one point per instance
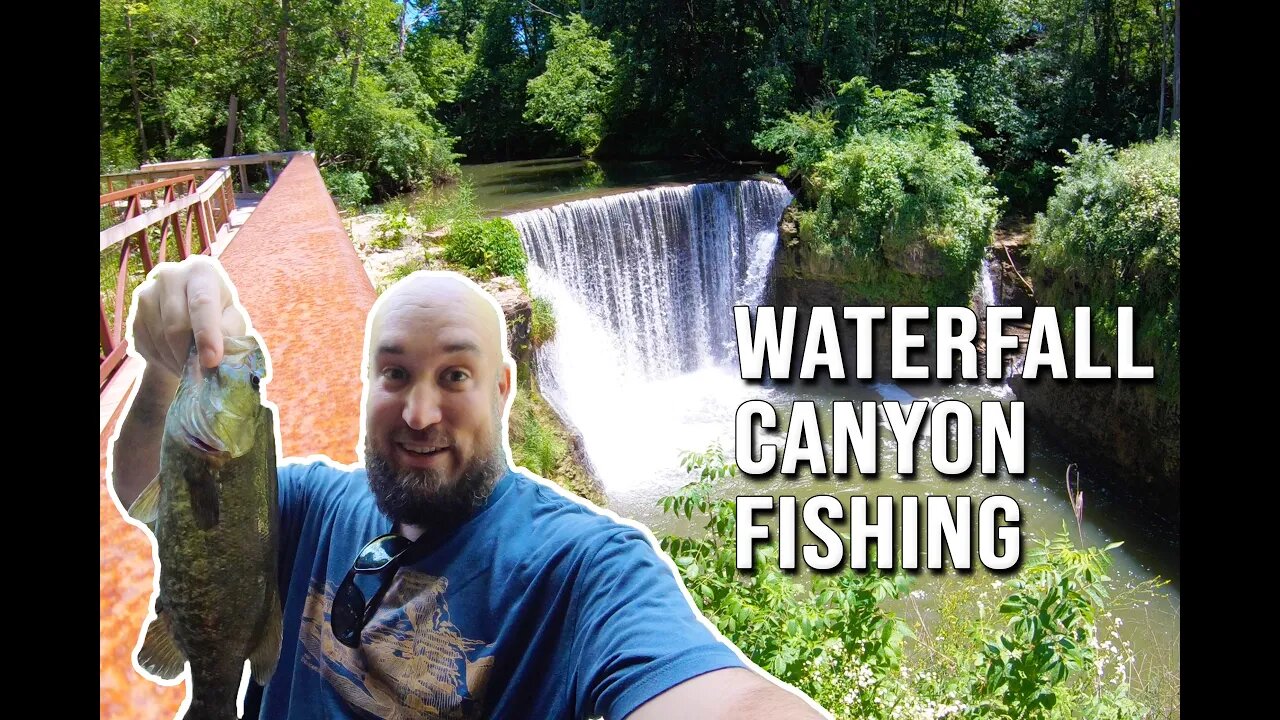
(502, 598)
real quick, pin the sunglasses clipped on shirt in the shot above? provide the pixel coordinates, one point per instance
(382, 557)
(351, 611)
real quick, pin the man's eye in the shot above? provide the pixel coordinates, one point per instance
(394, 374)
(456, 376)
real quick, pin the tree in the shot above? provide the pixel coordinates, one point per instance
(572, 96)
(282, 96)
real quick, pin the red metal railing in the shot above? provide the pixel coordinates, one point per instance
(206, 209)
(132, 199)
(262, 167)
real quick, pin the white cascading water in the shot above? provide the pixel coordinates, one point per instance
(986, 296)
(988, 284)
(643, 286)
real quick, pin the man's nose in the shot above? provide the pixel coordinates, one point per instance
(422, 407)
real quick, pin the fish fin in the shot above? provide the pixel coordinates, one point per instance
(147, 507)
(267, 429)
(267, 652)
(204, 501)
(159, 654)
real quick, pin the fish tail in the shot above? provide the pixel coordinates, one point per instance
(212, 700)
(221, 706)
(207, 708)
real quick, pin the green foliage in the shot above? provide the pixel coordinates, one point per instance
(1076, 69)
(779, 622)
(534, 444)
(491, 247)
(401, 272)
(446, 206)
(362, 129)
(541, 442)
(393, 230)
(349, 188)
(507, 42)
(441, 64)
(774, 86)
(1035, 74)
(542, 325)
(1041, 646)
(1050, 611)
(700, 82)
(183, 60)
(888, 181)
(173, 66)
(804, 138)
(189, 113)
(571, 96)
(1111, 237)
(116, 152)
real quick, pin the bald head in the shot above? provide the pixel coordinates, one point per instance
(440, 295)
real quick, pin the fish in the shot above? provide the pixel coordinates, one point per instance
(214, 511)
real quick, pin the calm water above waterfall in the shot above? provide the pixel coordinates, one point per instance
(525, 184)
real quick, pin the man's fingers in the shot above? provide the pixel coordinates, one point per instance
(233, 322)
(174, 336)
(206, 301)
(182, 302)
(148, 323)
(146, 346)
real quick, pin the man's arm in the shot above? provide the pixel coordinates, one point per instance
(136, 458)
(735, 693)
(641, 649)
(179, 302)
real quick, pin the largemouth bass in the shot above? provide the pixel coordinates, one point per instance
(214, 511)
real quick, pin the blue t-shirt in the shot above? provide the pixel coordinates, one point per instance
(536, 607)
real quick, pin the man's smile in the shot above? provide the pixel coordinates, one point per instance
(423, 449)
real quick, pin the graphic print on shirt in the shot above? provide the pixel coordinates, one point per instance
(412, 662)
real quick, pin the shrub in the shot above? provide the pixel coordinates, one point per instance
(542, 326)
(885, 175)
(116, 152)
(1111, 236)
(445, 206)
(365, 130)
(491, 247)
(349, 188)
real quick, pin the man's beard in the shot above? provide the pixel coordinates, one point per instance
(423, 497)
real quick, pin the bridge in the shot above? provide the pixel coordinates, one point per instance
(307, 294)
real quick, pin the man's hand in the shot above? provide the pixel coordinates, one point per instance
(735, 693)
(179, 301)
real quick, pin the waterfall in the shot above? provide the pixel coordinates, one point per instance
(643, 286)
(988, 286)
(988, 294)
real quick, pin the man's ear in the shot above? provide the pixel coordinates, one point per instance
(506, 378)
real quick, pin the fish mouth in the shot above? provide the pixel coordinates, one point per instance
(201, 446)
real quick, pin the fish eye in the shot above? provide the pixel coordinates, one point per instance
(254, 380)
